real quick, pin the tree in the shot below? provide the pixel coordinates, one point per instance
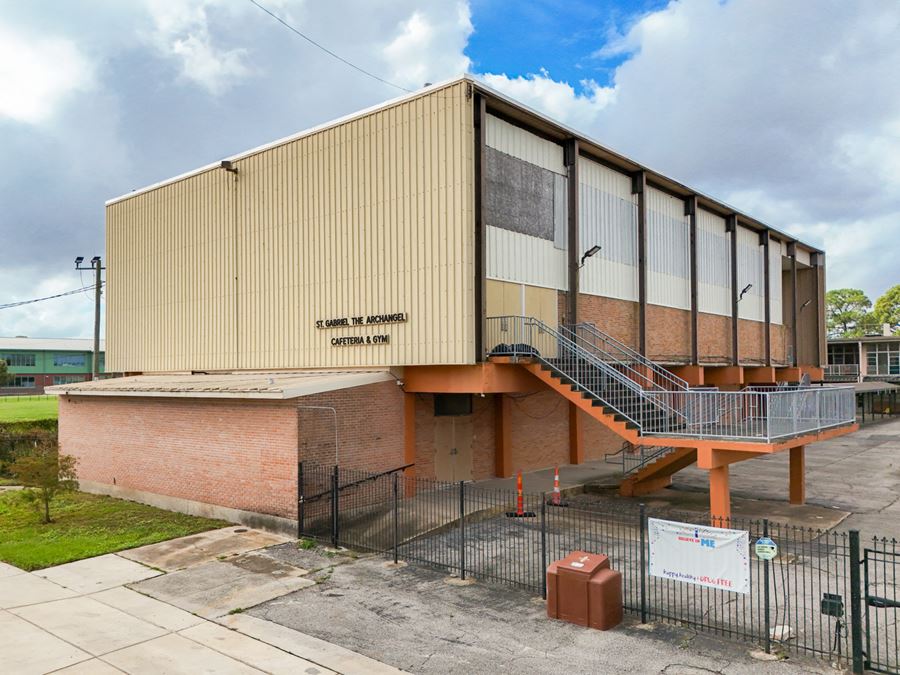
(887, 308)
(44, 473)
(5, 376)
(847, 311)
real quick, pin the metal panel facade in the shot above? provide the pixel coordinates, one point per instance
(372, 216)
(512, 256)
(517, 142)
(713, 264)
(607, 217)
(668, 251)
(751, 271)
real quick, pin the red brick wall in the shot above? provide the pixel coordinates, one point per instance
(714, 340)
(668, 334)
(618, 318)
(482, 438)
(240, 454)
(597, 439)
(236, 453)
(751, 342)
(779, 353)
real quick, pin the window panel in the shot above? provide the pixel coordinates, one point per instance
(69, 360)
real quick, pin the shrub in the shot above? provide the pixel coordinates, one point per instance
(44, 473)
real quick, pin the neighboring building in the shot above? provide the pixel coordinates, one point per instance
(36, 363)
(873, 358)
(379, 279)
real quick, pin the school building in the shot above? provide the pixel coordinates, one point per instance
(35, 363)
(450, 282)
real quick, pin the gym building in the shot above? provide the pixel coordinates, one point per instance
(452, 283)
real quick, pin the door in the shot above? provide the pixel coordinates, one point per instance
(453, 448)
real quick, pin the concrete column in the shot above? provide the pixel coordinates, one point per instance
(576, 436)
(719, 496)
(798, 475)
(502, 436)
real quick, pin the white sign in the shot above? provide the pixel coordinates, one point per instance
(707, 556)
(765, 548)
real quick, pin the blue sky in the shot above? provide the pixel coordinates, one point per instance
(780, 109)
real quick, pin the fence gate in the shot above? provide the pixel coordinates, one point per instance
(882, 607)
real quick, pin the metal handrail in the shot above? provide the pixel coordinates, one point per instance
(676, 383)
(747, 415)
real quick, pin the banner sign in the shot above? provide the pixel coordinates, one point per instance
(707, 556)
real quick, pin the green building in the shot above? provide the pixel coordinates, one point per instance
(36, 363)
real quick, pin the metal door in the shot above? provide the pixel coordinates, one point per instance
(882, 608)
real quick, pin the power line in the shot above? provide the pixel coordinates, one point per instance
(49, 297)
(328, 51)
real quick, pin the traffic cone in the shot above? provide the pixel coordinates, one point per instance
(520, 511)
(556, 500)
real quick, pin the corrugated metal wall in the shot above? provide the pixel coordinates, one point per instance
(713, 264)
(528, 260)
(668, 251)
(751, 271)
(607, 217)
(775, 305)
(517, 142)
(371, 216)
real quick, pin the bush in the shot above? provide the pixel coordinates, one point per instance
(43, 472)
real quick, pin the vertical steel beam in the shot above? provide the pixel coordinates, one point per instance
(638, 187)
(690, 210)
(767, 290)
(797, 490)
(792, 253)
(731, 226)
(818, 263)
(480, 123)
(572, 243)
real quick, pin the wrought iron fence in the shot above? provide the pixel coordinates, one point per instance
(824, 595)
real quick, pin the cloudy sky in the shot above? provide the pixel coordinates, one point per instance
(789, 111)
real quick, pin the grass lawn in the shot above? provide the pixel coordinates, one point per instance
(85, 525)
(28, 408)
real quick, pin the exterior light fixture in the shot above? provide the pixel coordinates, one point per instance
(228, 166)
(79, 260)
(744, 291)
(805, 304)
(593, 250)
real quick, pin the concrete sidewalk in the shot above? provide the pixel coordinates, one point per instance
(83, 617)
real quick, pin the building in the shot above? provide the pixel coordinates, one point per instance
(873, 358)
(448, 282)
(36, 363)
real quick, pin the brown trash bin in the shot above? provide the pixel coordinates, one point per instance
(572, 596)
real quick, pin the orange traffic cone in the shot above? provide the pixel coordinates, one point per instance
(556, 499)
(520, 511)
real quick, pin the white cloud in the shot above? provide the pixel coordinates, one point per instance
(37, 74)
(428, 46)
(182, 33)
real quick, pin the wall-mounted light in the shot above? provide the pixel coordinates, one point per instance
(592, 251)
(228, 166)
(805, 304)
(744, 291)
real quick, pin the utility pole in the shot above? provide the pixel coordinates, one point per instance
(97, 267)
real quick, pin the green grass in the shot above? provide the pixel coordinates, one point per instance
(85, 526)
(28, 408)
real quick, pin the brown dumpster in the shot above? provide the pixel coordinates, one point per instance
(574, 596)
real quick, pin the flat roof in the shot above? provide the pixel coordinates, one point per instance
(865, 338)
(549, 123)
(277, 386)
(49, 344)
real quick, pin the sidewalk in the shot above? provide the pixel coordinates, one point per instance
(83, 617)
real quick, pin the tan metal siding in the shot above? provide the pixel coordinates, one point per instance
(374, 215)
(713, 264)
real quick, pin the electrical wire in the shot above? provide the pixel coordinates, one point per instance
(50, 297)
(328, 51)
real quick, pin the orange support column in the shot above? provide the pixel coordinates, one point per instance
(502, 436)
(719, 496)
(576, 447)
(798, 475)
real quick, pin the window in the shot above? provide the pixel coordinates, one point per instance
(69, 360)
(22, 382)
(841, 354)
(452, 404)
(883, 358)
(68, 379)
(19, 360)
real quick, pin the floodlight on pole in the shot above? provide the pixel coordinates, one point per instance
(97, 267)
(744, 291)
(592, 251)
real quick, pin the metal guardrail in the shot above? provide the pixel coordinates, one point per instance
(633, 458)
(656, 376)
(756, 415)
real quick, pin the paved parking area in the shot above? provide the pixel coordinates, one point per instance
(92, 617)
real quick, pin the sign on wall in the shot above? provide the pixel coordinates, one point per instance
(365, 320)
(706, 556)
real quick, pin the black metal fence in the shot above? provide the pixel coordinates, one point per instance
(825, 594)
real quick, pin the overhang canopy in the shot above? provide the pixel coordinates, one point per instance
(278, 386)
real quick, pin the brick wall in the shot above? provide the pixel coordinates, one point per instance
(618, 318)
(751, 342)
(714, 341)
(779, 352)
(668, 334)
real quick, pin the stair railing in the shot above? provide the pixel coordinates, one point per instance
(588, 333)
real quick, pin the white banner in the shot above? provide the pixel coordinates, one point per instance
(706, 556)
